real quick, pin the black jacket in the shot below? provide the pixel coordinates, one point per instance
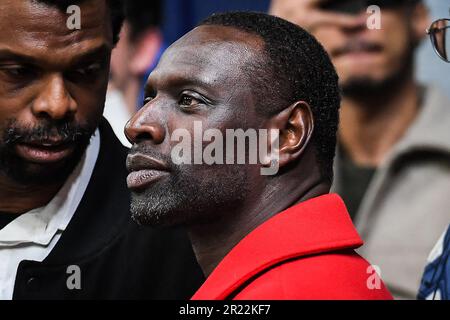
(116, 258)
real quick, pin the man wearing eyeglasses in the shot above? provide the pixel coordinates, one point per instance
(393, 161)
(436, 278)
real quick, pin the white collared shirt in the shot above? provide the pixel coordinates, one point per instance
(33, 235)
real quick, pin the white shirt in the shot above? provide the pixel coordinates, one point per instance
(33, 235)
(117, 114)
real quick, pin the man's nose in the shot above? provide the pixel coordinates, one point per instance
(54, 101)
(142, 127)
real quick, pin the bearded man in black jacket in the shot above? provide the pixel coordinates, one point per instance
(65, 228)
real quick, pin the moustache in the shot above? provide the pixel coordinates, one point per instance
(356, 45)
(61, 133)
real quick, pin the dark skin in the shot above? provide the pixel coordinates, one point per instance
(200, 78)
(49, 72)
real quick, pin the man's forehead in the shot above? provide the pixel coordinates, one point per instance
(32, 25)
(211, 51)
(218, 33)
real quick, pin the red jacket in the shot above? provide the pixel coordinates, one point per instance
(304, 252)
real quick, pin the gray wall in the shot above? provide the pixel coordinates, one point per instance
(429, 67)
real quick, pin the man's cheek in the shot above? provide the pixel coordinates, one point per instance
(330, 37)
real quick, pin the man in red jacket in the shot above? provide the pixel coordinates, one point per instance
(264, 229)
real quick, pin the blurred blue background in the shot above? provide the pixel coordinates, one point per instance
(182, 15)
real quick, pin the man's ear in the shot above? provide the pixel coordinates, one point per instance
(295, 125)
(420, 21)
(147, 47)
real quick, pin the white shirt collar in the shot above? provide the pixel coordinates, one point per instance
(40, 225)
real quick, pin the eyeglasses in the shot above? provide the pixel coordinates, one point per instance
(439, 32)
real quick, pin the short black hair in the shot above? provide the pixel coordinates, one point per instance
(142, 15)
(116, 10)
(297, 68)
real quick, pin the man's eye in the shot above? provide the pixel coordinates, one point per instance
(89, 70)
(86, 73)
(18, 72)
(187, 101)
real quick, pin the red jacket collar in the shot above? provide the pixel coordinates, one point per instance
(315, 226)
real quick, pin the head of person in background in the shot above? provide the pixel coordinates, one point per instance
(53, 82)
(369, 59)
(247, 72)
(375, 64)
(139, 48)
(136, 54)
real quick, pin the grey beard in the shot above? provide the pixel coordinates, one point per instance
(183, 200)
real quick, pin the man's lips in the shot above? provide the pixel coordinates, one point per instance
(45, 151)
(144, 170)
(357, 48)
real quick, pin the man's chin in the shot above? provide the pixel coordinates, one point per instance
(360, 85)
(188, 198)
(34, 173)
(161, 209)
(39, 174)
(365, 84)
(370, 86)
(155, 211)
(25, 172)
